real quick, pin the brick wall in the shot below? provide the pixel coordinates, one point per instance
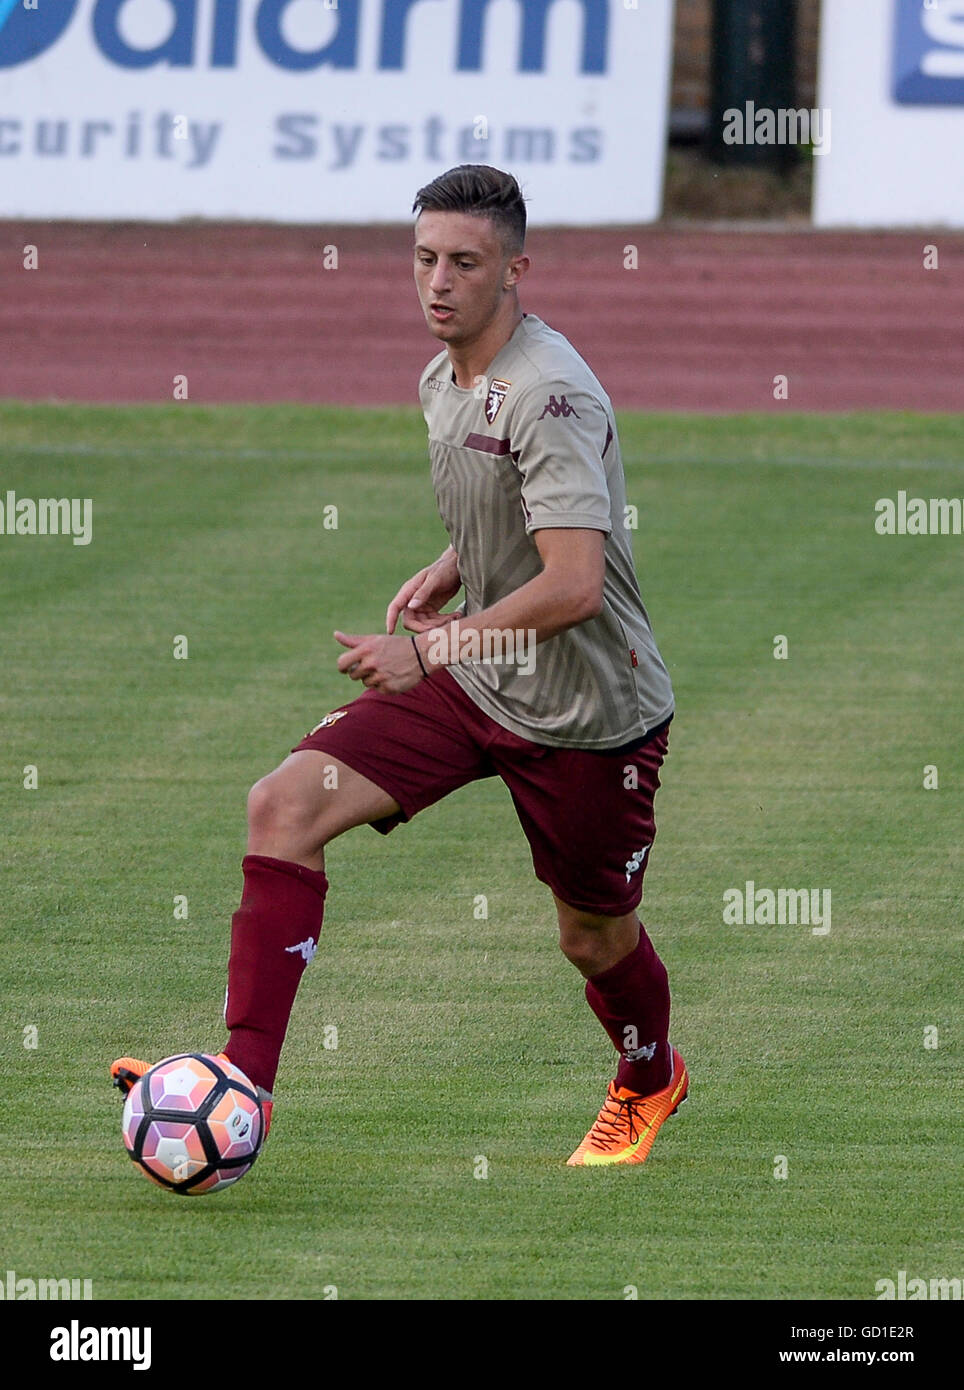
(691, 58)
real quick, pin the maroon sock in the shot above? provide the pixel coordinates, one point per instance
(631, 1001)
(274, 935)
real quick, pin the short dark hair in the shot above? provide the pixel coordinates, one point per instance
(481, 191)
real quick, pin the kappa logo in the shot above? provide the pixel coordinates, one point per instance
(636, 863)
(641, 1054)
(327, 722)
(305, 949)
(556, 408)
(493, 401)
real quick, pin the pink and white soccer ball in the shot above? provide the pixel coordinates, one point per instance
(193, 1123)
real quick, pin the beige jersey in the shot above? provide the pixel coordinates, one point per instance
(534, 446)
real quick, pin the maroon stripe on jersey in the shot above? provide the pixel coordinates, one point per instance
(609, 440)
(486, 444)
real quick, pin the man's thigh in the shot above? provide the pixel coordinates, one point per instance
(588, 818)
(417, 747)
(316, 795)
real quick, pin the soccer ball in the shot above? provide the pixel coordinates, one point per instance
(193, 1123)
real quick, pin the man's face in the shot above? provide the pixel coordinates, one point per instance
(461, 272)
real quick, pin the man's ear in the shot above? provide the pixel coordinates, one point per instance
(515, 270)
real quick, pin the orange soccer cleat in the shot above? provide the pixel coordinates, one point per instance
(627, 1124)
(127, 1070)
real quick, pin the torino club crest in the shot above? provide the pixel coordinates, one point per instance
(493, 401)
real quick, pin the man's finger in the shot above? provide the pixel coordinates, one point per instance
(349, 661)
(394, 608)
(397, 604)
(421, 622)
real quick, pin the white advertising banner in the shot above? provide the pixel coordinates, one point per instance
(892, 78)
(329, 110)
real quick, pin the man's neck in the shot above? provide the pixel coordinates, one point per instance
(472, 362)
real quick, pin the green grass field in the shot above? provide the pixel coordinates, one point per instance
(460, 1038)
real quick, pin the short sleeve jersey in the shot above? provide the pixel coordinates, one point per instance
(535, 446)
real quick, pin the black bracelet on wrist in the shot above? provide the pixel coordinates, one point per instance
(418, 654)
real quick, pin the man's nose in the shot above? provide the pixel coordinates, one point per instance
(440, 276)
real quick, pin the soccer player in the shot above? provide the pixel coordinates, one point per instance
(571, 709)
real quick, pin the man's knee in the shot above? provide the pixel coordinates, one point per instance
(580, 951)
(276, 806)
(592, 942)
(578, 935)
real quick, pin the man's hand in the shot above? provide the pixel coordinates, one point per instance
(380, 663)
(421, 598)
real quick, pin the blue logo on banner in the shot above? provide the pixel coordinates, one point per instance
(25, 33)
(929, 53)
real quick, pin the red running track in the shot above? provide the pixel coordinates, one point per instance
(705, 322)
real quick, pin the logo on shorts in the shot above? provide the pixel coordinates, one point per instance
(493, 401)
(556, 408)
(636, 863)
(328, 720)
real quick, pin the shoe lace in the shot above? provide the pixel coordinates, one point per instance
(615, 1121)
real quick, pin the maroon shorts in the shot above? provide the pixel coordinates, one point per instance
(588, 816)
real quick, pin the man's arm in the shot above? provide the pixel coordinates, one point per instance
(569, 590)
